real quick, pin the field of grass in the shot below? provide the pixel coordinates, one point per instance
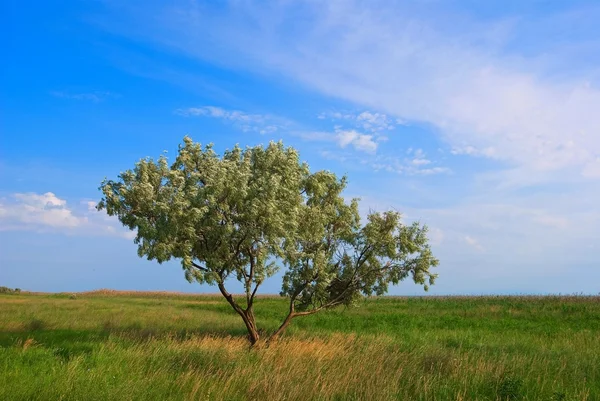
(157, 346)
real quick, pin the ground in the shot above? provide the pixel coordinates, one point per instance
(160, 346)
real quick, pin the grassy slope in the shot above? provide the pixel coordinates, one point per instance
(165, 346)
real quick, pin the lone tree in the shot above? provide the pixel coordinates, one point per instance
(248, 212)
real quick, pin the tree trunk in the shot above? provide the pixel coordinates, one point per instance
(250, 321)
(246, 315)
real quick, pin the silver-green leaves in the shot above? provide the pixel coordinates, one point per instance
(251, 211)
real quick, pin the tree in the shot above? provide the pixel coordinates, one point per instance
(251, 211)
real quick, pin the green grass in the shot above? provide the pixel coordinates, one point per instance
(146, 346)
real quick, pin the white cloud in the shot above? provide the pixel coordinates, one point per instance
(47, 212)
(111, 230)
(38, 210)
(91, 205)
(419, 158)
(420, 162)
(431, 171)
(360, 142)
(371, 122)
(375, 121)
(473, 243)
(344, 138)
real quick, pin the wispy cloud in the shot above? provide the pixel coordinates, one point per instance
(367, 120)
(473, 151)
(392, 164)
(260, 123)
(362, 131)
(475, 92)
(513, 99)
(97, 96)
(414, 163)
(267, 124)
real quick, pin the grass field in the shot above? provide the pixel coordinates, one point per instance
(156, 346)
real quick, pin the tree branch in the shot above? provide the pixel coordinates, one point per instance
(230, 299)
(249, 279)
(362, 254)
(251, 300)
(326, 306)
(201, 268)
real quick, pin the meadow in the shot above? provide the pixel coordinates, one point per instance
(107, 345)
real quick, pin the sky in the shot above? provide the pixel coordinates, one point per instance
(480, 119)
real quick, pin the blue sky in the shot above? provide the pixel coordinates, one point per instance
(480, 119)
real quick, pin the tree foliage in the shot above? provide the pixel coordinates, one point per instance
(251, 211)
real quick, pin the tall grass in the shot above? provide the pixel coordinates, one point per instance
(178, 347)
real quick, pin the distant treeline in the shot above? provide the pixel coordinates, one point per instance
(6, 290)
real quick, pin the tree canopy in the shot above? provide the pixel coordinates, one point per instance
(250, 212)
